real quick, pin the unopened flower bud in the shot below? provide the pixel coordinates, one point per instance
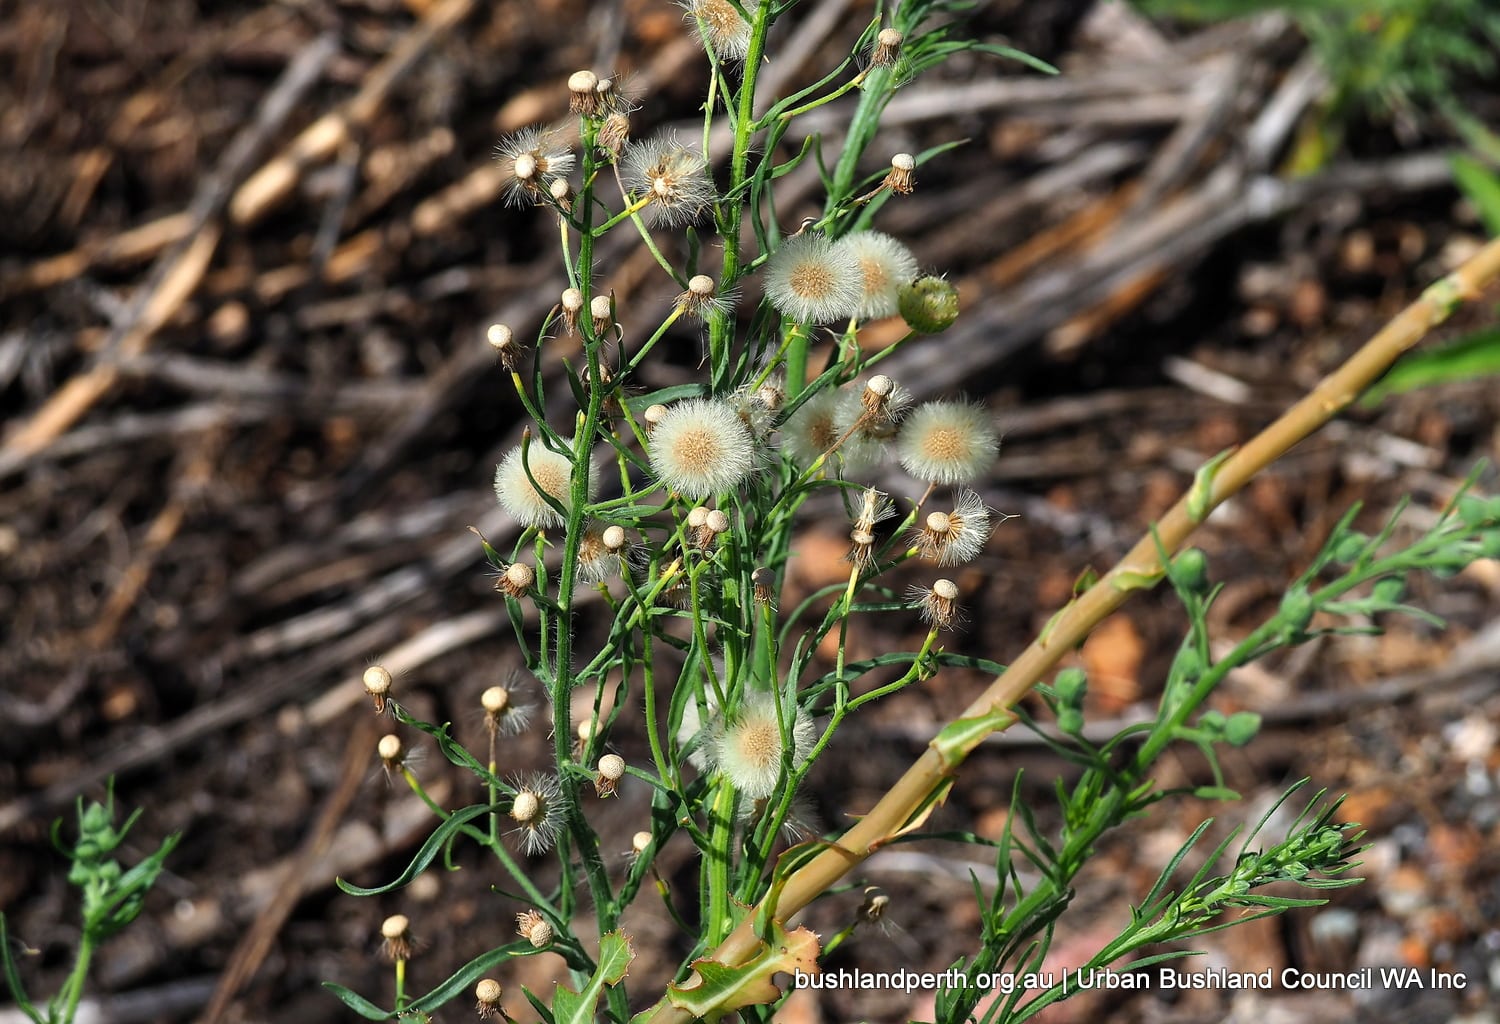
(929, 305)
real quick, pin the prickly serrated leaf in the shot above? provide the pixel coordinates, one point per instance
(615, 954)
(714, 989)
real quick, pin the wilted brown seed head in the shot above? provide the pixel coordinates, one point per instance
(601, 309)
(395, 937)
(534, 929)
(572, 305)
(762, 580)
(583, 95)
(377, 683)
(561, 191)
(697, 517)
(517, 580)
(525, 167)
(717, 522)
(503, 340)
(901, 178)
(939, 603)
(614, 133)
(611, 770)
(887, 48)
(487, 998)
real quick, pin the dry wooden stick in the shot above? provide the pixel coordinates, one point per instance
(179, 270)
(1140, 569)
(321, 139)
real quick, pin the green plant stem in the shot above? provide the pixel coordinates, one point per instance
(1139, 569)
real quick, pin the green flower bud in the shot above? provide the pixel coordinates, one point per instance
(1070, 721)
(1070, 686)
(1489, 544)
(1350, 547)
(1390, 590)
(1241, 728)
(1296, 612)
(1190, 571)
(1473, 511)
(929, 304)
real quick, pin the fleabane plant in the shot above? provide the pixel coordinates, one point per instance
(669, 514)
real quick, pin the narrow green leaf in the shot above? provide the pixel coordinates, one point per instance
(426, 855)
(358, 1003)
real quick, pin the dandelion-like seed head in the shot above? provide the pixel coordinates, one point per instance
(947, 442)
(702, 298)
(952, 538)
(597, 561)
(673, 177)
(653, 415)
(938, 603)
(873, 507)
(749, 748)
(810, 431)
(701, 447)
(532, 159)
(722, 26)
(814, 280)
(537, 811)
(523, 500)
(640, 842)
(885, 265)
(505, 710)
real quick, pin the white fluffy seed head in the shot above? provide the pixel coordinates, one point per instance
(395, 926)
(814, 280)
(640, 842)
(389, 748)
(495, 700)
(701, 447)
(810, 431)
(553, 473)
(674, 177)
(749, 749)
(884, 265)
(947, 442)
(946, 589)
(537, 811)
(613, 537)
(726, 32)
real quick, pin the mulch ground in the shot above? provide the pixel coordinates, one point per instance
(247, 260)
